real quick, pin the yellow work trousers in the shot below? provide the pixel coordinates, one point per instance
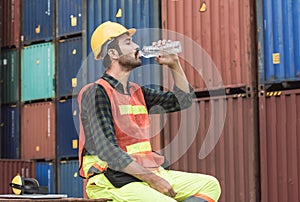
(185, 185)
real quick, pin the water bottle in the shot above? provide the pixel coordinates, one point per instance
(172, 47)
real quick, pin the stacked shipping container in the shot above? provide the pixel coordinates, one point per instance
(41, 57)
(50, 46)
(218, 42)
(279, 70)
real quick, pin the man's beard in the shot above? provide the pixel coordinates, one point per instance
(129, 62)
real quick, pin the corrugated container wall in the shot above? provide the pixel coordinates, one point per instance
(69, 57)
(67, 137)
(10, 78)
(10, 168)
(45, 175)
(279, 145)
(37, 20)
(141, 15)
(218, 40)
(218, 139)
(11, 23)
(10, 128)
(281, 21)
(38, 131)
(68, 175)
(37, 72)
(69, 17)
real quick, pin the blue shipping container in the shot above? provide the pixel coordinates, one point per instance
(142, 15)
(281, 41)
(45, 175)
(10, 132)
(69, 181)
(69, 17)
(69, 53)
(67, 136)
(37, 20)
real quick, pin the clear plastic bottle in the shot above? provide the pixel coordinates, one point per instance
(173, 47)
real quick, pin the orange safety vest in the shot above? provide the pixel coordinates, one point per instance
(131, 122)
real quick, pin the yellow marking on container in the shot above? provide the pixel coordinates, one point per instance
(38, 29)
(203, 7)
(74, 113)
(74, 82)
(119, 13)
(276, 58)
(75, 144)
(74, 51)
(37, 62)
(73, 21)
(75, 174)
(37, 148)
(279, 93)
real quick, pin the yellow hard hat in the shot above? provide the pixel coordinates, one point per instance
(106, 32)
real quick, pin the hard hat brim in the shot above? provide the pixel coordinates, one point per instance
(130, 32)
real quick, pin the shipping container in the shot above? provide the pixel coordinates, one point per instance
(69, 17)
(10, 29)
(10, 168)
(10, 78)
(37, 72)
(279, 118)
(10, 132)
(218, 136)
(279, 31)
(142, 15)
(38, 131)
(67, 137)
(45, 175)
(218, 41)
(69, 181)
(40, 26)
(69, 57)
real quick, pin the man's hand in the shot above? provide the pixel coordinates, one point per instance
(161, 185)
(152, 179)
(171, 60)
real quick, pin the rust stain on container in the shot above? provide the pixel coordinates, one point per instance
(10, 168)
(279, 145)
(11, 23)
(222, 37)
(38, 131)
(234, 158)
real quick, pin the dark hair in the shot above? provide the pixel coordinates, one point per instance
(113, 45)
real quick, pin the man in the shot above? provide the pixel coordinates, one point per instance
(115, 151)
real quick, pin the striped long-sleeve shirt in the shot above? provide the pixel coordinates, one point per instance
(97, 118)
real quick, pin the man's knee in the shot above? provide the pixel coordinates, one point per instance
(214, 188)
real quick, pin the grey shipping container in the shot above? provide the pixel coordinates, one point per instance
(218, 40)
(11, 26)
(219, 138)
(69, 57)
(10, 132)
(37, 72)
(40, 26)
(38, 131)
(68, 175)
(69, 17)
(279, 118)
(10, 79)
(9, 168)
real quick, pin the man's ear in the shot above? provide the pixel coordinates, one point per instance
(113, 54)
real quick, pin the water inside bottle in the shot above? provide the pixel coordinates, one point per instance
(173, 47)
